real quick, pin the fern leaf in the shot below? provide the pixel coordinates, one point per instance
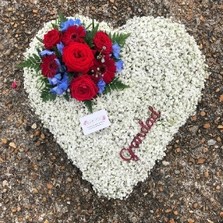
(116, 84)
(119, 38)
(32, 61)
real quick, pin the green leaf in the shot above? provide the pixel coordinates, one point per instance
(47, 96)
(32, 61)
(116, 84)
(88, 104)
(119, 38)
(66, 96)
(91, 33)
(39, 39)
(61, 18)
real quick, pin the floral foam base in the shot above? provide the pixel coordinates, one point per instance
(164, 69)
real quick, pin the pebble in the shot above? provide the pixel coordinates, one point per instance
(4, 141)
(5, 183)
(34, 126)
(201, 161)
(221, 98)
(221, 214)
(13, 145)
(194, 129)
(165, 163)
(207, 125)
(176, 172)
(202, 113)
(49, 186)
(211, 142)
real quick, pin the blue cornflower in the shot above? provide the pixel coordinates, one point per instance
(60, 47)
(119, 66)
(70, 22)
(46, 53)
(101, 85)
(55, 80)
(116, 50)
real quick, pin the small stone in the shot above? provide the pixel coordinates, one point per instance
(206, 173)
(165, 163)
(177, 172)
(221, 214)
(201, 161)
(35, 191)
(168, 210)
(34, 126)
(218, 187)
(178, 150)
(171, 220)
(202, 113)
(190, 220)
(19, 208)
(194, 118)
(175, 212)
(4, 141)
(69, 180)
(5, 183)
(221, 98)
(220, 127)
(42, 136)
(35, 11)
(14, 210)
(49, 186)
(46, 221)
(195, 205)
(211, 142)
(194, 129)
(219, 139)
(112, 1)
(207, 125)
(13, 145)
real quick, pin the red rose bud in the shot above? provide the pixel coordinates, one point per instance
(49, 66)
(83, 88)
(78, 57)
(14, 84)
(73, 34)
(51, 39)
(103, 42)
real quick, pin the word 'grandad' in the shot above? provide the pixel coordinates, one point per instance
(128, 154)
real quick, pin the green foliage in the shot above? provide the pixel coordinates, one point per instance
(61, 18)
(47, 96)
(88, 104)
(32, 61)
(119, 38)
(91, 33)
(116, 84)
(39, 39)
(66, 96)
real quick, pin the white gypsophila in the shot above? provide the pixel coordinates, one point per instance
(164, 68)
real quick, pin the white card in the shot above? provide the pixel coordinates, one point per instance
(95, 122)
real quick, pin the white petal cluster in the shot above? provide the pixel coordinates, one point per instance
(164, 69)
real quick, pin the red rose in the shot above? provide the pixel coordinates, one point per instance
(49, 66)
(83, 88)
(105, 70)
(102, 42)
(74, 34)
(51, 38)
(78, 57)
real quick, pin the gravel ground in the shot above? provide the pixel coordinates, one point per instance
(37, 181)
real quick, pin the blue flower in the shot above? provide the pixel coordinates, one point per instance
(46, 53)
(60, 47)
(116, 50)
(101, 85)
(119, 66)
(55, 80)
(61, 84)
(70, 22)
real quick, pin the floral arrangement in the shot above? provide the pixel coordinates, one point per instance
(165, 69)
(78, 61)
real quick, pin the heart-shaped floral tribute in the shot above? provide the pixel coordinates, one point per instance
(77, 61)
(165, 72)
